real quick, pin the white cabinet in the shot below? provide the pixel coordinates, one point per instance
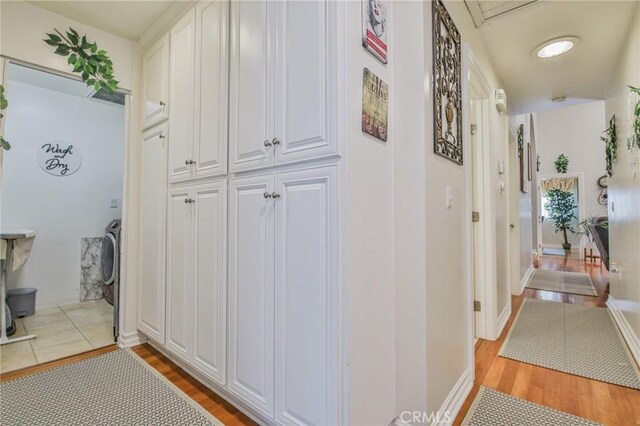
(283, 86)
(181, 91)
(155, 82)
(211, 89)
(251, 292)
(296, 290)
(151, 261)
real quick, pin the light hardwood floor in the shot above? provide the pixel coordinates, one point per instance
(591, 399)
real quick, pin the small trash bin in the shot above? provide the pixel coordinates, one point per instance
(22, 302)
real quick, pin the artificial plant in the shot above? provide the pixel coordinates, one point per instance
(3, 105)
(93, 64)
(562, 163)
(560, 206)
(610, 145)
(634, 140)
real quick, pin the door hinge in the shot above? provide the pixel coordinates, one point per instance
(477, 306)
(475, 216)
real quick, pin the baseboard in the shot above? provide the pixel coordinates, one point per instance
(451, 406)
(503, 318)
(630, 337)
(525, 279)
(128, 340)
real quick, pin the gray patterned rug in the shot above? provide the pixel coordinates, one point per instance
(493, 408)
(117, 388)
(563, 282)
(574, 339)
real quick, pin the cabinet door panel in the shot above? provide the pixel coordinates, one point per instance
(153, 193)
(155, 73)
(306, 298)
(179, 309)
(181, 92)
(251, 88)
(210, 295)
(251, 291)
(211, 88)
(306, 80)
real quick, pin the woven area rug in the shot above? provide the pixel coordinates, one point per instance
(574, 339)
(117, 388)
(499, 409)
(563, 282)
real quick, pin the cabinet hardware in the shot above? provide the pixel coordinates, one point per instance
(162, 104)
(275, 195)
(186, 162)
(161, 136)
(192, 161)
(267, 143)
(266, 195)
(275, 141)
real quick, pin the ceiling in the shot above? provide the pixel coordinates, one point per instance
(486, 10)
(581, 75)
(128, 19)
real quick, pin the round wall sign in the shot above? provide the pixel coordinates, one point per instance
(59, 159)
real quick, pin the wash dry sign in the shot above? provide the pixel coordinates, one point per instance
(59, 159)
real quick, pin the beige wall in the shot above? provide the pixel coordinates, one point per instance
(624, 190)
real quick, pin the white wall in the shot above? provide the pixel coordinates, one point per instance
(61, 210)
(574, 131)
(624, 190)
(24, 25)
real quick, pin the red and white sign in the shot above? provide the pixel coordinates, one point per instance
(374, 28)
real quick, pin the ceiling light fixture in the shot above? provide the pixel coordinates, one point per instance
(556, 47)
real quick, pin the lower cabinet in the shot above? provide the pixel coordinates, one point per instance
(283, 295)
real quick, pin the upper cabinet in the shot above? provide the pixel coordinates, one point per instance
(155, 71)
(283, 85)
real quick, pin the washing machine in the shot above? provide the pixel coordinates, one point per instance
(110, 260)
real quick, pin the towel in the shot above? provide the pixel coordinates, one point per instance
(19, 251)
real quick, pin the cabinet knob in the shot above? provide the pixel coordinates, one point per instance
(162, 104)
(275, 141)
(266, 195)
(186, 162)
(275, 195)
(192, 161)
(267, 143)
(161, 136)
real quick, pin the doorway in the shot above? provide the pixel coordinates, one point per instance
(62, 181)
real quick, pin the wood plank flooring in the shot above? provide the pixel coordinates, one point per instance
(591, 399)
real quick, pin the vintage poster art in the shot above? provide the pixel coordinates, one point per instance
(374, 28)
(375, 105)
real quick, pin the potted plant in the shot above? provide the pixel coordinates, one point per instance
(562, 163)
(561, 205)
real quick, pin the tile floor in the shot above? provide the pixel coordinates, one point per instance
(61, 331)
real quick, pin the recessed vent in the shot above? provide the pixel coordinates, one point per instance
(103, 95)
(483, 11)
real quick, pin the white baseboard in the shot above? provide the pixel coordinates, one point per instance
(461, 390)
(127, 340)
(630, 337)
(525, 279)
(503, 318)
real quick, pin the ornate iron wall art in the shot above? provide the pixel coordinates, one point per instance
(447, 86)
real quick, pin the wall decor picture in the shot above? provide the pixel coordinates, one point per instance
(59, 159)
(447, 86)
(374, 28)
(529, 162)
(375, 108)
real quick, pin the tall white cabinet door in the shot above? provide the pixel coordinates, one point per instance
(251, 307)
(306, 298)
(153, 202)
(210, 279)
(211, 88)
(251, 102)
(306, 85)
(155, 73)
(181, 91)
(179, 306)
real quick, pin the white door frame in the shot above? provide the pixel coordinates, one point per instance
(581, 207)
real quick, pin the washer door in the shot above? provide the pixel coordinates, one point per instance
(108, 259)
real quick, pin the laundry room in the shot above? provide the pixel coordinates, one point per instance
(62, 185)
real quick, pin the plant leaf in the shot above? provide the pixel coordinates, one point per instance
(62, 50)
(54, 37)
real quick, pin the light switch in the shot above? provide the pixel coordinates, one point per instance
(114, 203)
(449, 197)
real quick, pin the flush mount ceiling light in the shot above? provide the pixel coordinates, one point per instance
(556, 47)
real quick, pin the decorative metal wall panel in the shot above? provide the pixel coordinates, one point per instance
(447, 86)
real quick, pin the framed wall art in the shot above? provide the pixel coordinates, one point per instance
(447, 86)
(375, 105)
(374, 28)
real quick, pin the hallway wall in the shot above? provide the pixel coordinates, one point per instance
(624, 188)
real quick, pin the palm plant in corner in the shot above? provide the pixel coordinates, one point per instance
(561, 207)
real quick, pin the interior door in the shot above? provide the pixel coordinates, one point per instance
(181, 92)
(211, 88)
(251, 307)
(155, 72)
(251, 97)
(306, 298)
(153, 193)
(306, 88)
(210, 279)
(179, 238)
